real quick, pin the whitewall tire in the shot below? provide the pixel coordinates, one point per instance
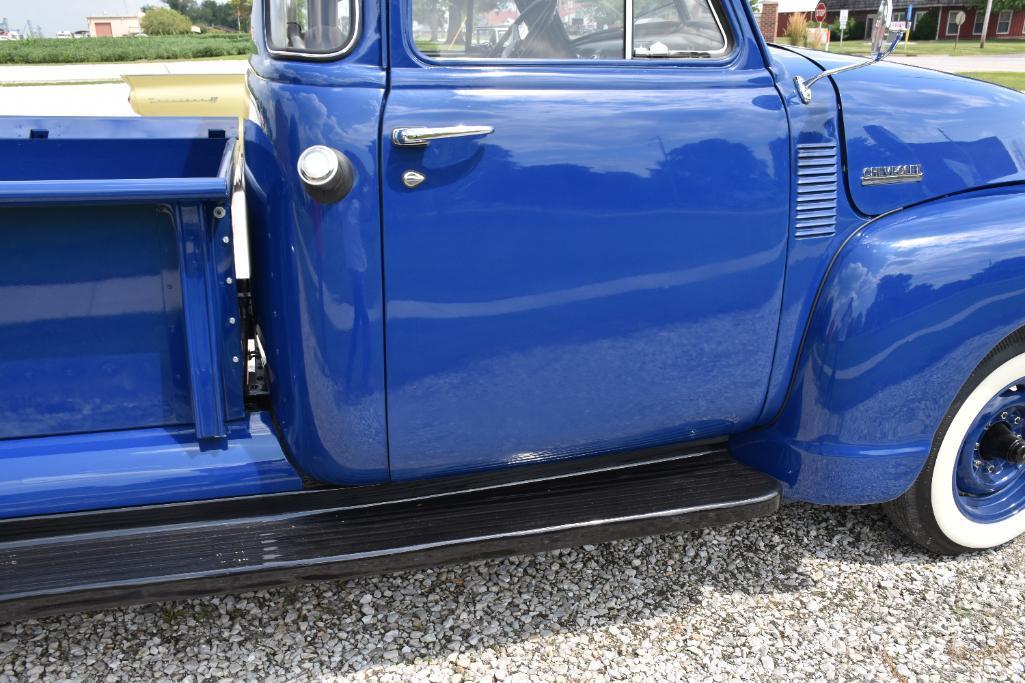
(972, 497)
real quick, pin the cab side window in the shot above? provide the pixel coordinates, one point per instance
(677, 28)
(312, 28)
(567, 29)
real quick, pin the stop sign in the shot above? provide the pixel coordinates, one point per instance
(820, 11)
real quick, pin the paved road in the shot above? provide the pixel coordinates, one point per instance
(961, 64)
(32, 73)
(66, 100)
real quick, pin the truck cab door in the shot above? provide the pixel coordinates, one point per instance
(583, 249)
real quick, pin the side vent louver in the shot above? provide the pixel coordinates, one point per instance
(816, 189)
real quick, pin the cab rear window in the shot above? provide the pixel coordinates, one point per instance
(315, 29)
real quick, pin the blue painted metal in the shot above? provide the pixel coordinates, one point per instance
(318, 295)
(606, 271)
(602, 272)
(74, 162)
(808, 256)
(965, 133)
(199, 297)
(463, 391)
(88, 341)
(132, 190)
(912, 304)
(112, 139)
(46, 475)
(990, 489)
(94, 335)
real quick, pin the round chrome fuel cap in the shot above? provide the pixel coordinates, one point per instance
(327, 175)
(318, 165)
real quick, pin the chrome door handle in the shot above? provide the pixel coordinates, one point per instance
(420, 136)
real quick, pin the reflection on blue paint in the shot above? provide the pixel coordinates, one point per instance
(913, 303)
(602, 272)
(46, 475)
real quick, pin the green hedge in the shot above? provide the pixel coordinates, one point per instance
(925, 29)
(70, 51)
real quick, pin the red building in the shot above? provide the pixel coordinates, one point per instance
(1003, 24)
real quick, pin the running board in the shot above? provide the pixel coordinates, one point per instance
(79, 565)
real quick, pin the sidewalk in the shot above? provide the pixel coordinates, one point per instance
(66, 73)
(109, 99)
(962, 64)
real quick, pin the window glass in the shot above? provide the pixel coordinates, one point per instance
(563, 29)
(314, 27)
(951, 24)
(519, 29)
(1004, 21)
(977, 26)
(676, 28)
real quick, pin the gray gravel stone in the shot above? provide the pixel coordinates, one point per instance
(814, 594)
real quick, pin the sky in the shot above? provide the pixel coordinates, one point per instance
(63, 15)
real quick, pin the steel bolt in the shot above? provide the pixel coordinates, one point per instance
(234, 359)
(228, 280)
(226, 239)
(219, 212)
(1003, 415)
(978, 463)
(231, 321)
(991, 469)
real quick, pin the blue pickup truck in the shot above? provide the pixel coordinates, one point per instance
(604, 268)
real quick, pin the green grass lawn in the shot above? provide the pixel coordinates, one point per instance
(935, 47)
(1011, 79)
(152, 48)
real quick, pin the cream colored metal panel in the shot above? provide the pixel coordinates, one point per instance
(189, 95)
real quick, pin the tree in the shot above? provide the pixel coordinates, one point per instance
(233, 14)
(998, 4)
(213, 13)
(161, 21)
(435, 15)
(925, 25)
(455, 20)
(187, 7)
(242, 9)
(610, 12)
(432, 12)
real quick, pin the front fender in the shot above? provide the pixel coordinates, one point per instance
(911, 304)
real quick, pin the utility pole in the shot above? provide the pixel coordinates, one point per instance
(985, 24)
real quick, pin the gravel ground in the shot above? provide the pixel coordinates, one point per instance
(812, 593)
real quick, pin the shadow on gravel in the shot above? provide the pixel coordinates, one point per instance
(383, 620)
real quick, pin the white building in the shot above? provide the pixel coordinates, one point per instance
(114, 26)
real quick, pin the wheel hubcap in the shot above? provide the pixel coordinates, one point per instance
(989, 483)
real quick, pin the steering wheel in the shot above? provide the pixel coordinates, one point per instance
(515, 44)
